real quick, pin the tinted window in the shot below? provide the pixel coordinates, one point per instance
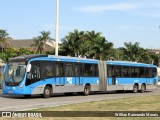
(69, 69)
(146, 71)
(134, 71)
(59, 69)
(125, 71)
(109, 70)
(141, 72)
(78, 69)
(153, 72)
(118, 71)
(47, 69)
(95, 70)
(88, 70)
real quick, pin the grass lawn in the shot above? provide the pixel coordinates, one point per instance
(146, 103)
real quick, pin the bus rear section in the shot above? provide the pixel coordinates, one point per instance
(131, 76)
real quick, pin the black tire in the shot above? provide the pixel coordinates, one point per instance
(86, 90)
(143, 88)
(120, 91)
(135, 88)
(47, 92)
(27, 96)
(68, 94)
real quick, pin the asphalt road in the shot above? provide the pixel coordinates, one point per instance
(19, 103)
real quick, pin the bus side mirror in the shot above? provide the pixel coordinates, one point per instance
(28, 68)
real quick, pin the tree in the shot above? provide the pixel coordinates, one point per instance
(132, 51)
(8, 53)
(99, 47)
(12, 52)
(71, 43)
(5, 40)
(88, 44)
(40, 42)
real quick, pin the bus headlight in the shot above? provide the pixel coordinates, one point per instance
(21, 85)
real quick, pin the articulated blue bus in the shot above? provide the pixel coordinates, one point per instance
(48, 74)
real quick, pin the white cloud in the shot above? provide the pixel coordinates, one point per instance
(152, 14)
(103, 8)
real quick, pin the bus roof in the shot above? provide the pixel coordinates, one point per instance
(25, 58)
(128, 63)
(51, 57)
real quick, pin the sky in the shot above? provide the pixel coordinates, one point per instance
(119, 21)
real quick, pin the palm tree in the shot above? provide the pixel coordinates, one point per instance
(45, 37)
(40, 42)
(88, 44)
(132, 51)
(99, 47)
(71, 43)
(5, 40)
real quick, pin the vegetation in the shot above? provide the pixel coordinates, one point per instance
(40, 42)
(4, 39)
(12, 52)
(92, 44)
(89, 44)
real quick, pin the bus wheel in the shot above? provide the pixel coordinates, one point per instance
(47, 92)
(86, 90)
(27, 96)
(68, 94)
(135, 88)
(143, 88)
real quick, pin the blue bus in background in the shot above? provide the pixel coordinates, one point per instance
(48, 74)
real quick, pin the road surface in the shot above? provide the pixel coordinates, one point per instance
(19, 103)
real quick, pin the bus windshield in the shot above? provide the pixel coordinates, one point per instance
(15, 72)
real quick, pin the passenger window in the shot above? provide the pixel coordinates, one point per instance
(69, 70)
(78, 70)
(125, 71)
(118, 71)
(141, 72)
(47, 69)
(109, 70)
(59, 69)
(134, 72)
(95, 70)
(154, 72)
(88, 70)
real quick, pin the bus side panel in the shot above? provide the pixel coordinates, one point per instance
(90, 80)
(59, 80)
(121, 81)
(93, 81)
(38, 87)
(111, 81)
